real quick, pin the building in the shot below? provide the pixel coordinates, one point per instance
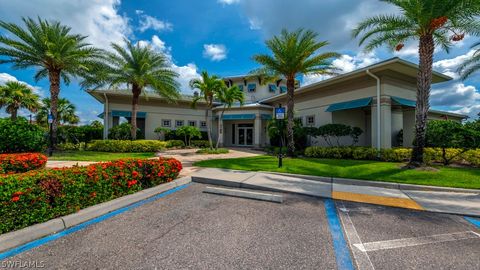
(351, 99)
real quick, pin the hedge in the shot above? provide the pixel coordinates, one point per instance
(124, 146)
(400, 154)
(175, 144)
(200, 143)
(23, 162)
(38, 196)
(209, 151)
(19, 136)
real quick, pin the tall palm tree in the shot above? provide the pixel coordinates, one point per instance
(52, 49)
(228, 96)
(433, 24)
(66, 112)
(209, 87)
(294, 53)
(138, 67)
(15, 95)
(471, 65)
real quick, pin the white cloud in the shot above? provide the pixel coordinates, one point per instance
(449, 66)
(149, 22)
(228, 2)
(215, 52)
(457, 97)
(346, 63)
(255, 23)
(99, 20)
(5, 77)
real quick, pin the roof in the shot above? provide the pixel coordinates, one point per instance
(396, 64)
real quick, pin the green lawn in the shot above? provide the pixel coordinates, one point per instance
(96, 156)
(356, 169)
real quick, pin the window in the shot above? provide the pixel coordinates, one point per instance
(252, 87)
(203, 124)
(272, 88)
(192, 123)
(166, 123)
(179, 123)
(310, 120)
(283, 89)
(240, 86)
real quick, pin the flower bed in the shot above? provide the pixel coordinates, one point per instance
(38, 196)
(23, 162)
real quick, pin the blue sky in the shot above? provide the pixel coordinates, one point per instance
(221, 36)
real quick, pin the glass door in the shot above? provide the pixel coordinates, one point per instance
(241, 136)
(249, 136)
(245, 134)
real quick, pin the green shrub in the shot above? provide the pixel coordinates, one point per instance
(38, 196)
(472, 157)
(18, 136)
(200, 143)
(124, 146)
(396, 154)
(71, 146)
(18, 163)
(79, 134)
(175, 144)
(212, 151)
(123, 132)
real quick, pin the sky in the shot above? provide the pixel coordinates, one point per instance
(221, 36)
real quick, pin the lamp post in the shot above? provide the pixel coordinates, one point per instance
(50, 123)
(279, 117)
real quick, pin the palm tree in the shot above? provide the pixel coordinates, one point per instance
(51, 48)
(138, 67)
(294, 53)
(228, 96)
(471, 65)
(209, 87)
(65, 114)
(433, 24)
(15, 95)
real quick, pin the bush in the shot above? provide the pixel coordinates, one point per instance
(396, 154)
(200, 143)
(123, 132)
(38, 196)
(332, 133)
(124, 146)
(19, 136)
(18, 163)
(213, 151)
(175, 144)
(71, 146)
(188, 132)
(79, 134)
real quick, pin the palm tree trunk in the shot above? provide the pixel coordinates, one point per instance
(290, 105)
(136, 93)
(424, 82)
(208, 128)
(13, 114)
(221, 117)
(54, 77)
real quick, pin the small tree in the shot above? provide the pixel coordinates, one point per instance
(162, 132)
(332, 133)
(450, 134)
(188, 132)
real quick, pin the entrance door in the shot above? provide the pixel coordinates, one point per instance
(245, 134)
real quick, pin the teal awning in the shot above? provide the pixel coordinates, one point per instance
(245, 116)
(266, 116)
(283, 89)
(124, 114)
(404, 101)
(358, 103)
(272, 87)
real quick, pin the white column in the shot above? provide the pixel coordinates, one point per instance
(220, 132)
(257, 130)
(385, 122)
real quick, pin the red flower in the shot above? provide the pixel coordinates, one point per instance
(93, 194)
(15, 199)
(134, 174)
(131, 183)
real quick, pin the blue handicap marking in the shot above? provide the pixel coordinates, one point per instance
(474, 221)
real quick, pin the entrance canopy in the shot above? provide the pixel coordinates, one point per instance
(124, 114)
(358, 103)
(404, 102)
(244, 116)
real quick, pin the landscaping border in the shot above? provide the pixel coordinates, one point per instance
(17, 238)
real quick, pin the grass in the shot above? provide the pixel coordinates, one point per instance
(96, 156)
(213, 151)
(355, 169)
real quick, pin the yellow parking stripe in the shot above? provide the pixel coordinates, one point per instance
(387, 201)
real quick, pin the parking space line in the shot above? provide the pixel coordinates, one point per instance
(361, 257)
(416, 241)
(342, 254)
(52, 237)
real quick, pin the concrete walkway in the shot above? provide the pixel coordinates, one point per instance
(434, 199)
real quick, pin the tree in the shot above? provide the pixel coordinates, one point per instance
(139, 67)
(471, 65)
(65, 112)
(188, 132)
(228, 96)
(209, 87)
(15, 95)
(50, 48)
(294, 53)
(432, 24)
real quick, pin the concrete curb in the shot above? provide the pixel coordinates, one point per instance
(390, 185)
(245, 194)
(17, 238)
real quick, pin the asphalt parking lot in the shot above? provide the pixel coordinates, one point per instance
(190, 229)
